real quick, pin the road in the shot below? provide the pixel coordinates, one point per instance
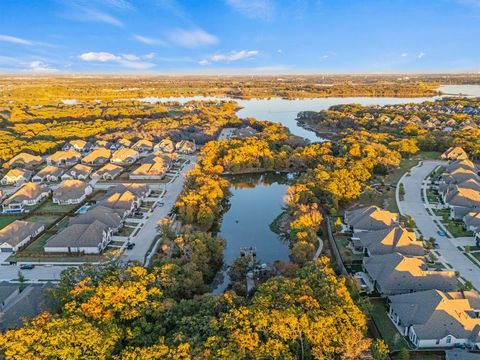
(145, 237)
(414, 206)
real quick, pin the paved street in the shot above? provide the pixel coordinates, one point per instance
(145, 237)
(413, 205)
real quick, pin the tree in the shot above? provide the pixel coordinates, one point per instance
(380, 350)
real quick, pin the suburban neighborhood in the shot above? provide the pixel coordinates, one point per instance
(87, 204)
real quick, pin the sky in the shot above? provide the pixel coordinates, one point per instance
(239, 36)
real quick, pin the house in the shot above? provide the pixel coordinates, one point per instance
(155, 169)
(461, 201)
(49, 173)
(29, 194)
(458, 176)
(122, 143)
(141, 191)
(454, 153)
(244, 132)
(97, 157)
(25, 160)
(461, 164)
(124, 156)
(186, 147)
(71, 191)
(472, 223)
(80, 238)
(79, 171)
(78, 145)
(142, 146)
(107, 172)
(64, 158)
(110, 217)
(166, 146)
(126, 201)
(102, 144)
(434, 318)
(18, 234)
(16, 177)
(388, 241)
(398, 274)
(8, 294)
(370, 218)
(471, 184)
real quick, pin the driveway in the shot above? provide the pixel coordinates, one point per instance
(414, 206)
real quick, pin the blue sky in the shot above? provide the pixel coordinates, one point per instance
(239, 36)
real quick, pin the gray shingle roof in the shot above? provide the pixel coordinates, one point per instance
(394, 239)
(79, 235)
(370, 218)
(398, 273)
(18, 231)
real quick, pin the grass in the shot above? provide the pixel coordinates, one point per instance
(6, 220)
(457, 229)
(49, 207)
(432, 197)
(44, 219)
(387, 199)
(125, 231)
(388, 331)
(347, 255)
(476, 255)
(36, 246)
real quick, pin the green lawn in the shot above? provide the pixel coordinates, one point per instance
(388, 331)
(49, 207)
(36, 246)
(44, 219)
(432, 197)
(457, 229)
(5, 220)
(346, 253)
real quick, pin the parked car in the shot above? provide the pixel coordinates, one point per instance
(27, 266)
(441, 233)
(130, 245)
(161, 204)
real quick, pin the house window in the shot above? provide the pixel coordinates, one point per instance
(437, 342)
(449, 339)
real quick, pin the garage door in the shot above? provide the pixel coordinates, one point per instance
(6, 250)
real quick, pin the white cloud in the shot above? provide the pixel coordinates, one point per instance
(15, 40)
(254, 9)
(89, 11)
(130, 57)
(149, 56)
(404, 55)
(420, 55)
(193, 38)
(131, 61)
(99, 56)
(148, 40)
(232, 56)
(38, 66)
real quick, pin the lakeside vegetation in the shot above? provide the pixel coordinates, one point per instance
(301, 309)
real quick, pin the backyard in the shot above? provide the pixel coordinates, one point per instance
(6, 220)
(388, 331)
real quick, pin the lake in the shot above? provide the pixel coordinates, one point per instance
(285, 111)
(256, 201)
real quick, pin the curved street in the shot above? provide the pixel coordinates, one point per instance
(413, 205)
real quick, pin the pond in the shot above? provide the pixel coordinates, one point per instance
(256, 201)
